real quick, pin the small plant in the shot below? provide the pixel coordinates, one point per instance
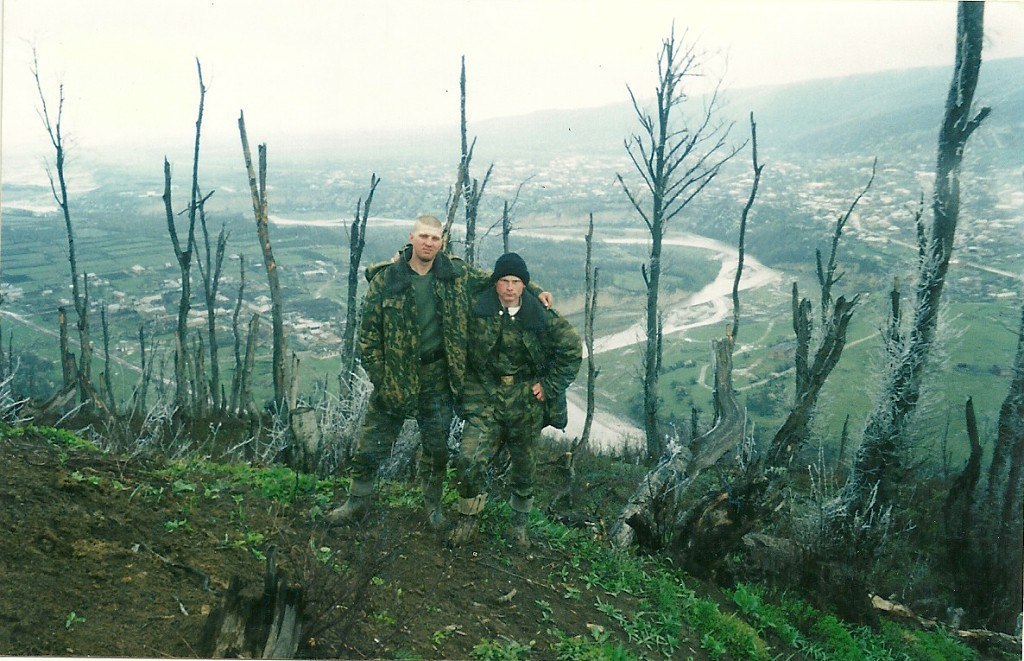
(492, 650)
(176, 524)
(73, 618)
(250, 541)
(441, 635)
(384, 618)
(181, 486)
(545, 609)
(94, 480)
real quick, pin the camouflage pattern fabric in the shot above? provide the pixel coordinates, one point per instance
(389, 342)
(381, 426)
(535, 345)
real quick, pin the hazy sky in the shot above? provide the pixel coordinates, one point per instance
(305, 66)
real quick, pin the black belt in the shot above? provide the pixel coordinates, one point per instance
(432, 357)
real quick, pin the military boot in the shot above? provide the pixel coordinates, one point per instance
(432, 490)
(516, 533)
(468, 523)
(356, 507)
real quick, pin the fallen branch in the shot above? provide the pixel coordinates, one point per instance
(979, 638)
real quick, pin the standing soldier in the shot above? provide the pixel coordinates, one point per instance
(412, 342)
(521, 359)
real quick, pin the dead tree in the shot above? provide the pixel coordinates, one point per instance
(69, 367)
(474, 192)
(675, 160)
(236, 377)
(259, 209)
(984, 524)
(880, 461)
(589, 312)
(183, 254)
(146, 370)
(472, 189)
(649, 516)
(714, 526)
(245, 401)
(59, 189)
(454, 198)
(356, 243)
(184, 258)
(467, 188)
(264, 627)
(108, 387)
(741, 243)
(504, 224)
(210, 263)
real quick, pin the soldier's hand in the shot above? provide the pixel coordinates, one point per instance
(538, 391)
(546, 299)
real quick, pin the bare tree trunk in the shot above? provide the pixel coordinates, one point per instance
(1010, 441)
(146, 370)
(589, 312)
(245, 386)
(210, 264)
(107, 384)
(356, 243)
(454, 198)
(59, 189)
(473, 195)
(69, 368)
(506, 226)
(984, 527)
(879, 463)
(236, 377)
(200, 386)
(741, 244)
(259, 207)
(184, 257)
(675, 162)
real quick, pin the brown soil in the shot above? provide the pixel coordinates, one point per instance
(106, 556)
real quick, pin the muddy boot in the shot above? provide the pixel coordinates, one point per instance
(468, 523)
(356, 507)
(516, 533)
(432, 489)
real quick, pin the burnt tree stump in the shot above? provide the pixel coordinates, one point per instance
(264, 627)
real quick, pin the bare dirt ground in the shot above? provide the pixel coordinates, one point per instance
(105, 556)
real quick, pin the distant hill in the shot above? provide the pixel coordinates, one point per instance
(892, 112)
(878, 113)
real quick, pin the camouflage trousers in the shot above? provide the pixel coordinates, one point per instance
(509, 415)
(434, 416)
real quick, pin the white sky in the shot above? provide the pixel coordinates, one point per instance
(308, 66)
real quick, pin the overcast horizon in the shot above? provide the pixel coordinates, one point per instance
(129, 73)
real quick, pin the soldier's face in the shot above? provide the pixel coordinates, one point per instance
(426, 241)
(510, 290)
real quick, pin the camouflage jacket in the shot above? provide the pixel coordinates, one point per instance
(389, 338)
(552, 344)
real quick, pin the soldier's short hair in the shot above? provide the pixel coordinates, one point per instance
(429, 221)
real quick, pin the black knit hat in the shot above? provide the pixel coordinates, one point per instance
(511, 264)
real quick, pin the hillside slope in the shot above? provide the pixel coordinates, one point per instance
(103, 555)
